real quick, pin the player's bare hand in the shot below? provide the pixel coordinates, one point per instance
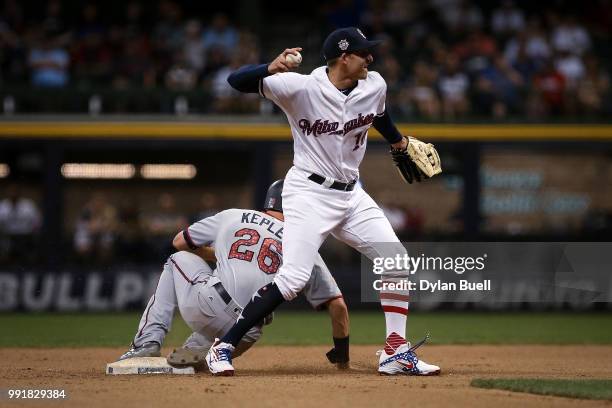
(280, 63)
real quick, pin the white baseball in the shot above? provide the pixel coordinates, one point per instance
(294, 59)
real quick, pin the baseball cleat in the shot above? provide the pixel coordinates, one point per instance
(402, 360)
(219, 358)
(188, 357)
(148, 349)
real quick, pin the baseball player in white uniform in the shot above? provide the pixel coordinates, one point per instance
(248, 251)
(329, 112)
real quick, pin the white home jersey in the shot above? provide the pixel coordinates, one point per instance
(248, 247)
(329, 128)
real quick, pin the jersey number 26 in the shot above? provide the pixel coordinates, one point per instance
(269, 256)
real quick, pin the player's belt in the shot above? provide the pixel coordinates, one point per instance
(222, 292)
(331, 183)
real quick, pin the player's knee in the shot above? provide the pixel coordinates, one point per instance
(339, 303)
(337, 306)
(186, 257)
(288, 287)
(383, 250)
(178, 256)
(291, 279)
(284, 288)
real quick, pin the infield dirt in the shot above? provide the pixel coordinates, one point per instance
(300, 376)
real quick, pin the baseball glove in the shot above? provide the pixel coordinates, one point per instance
(417, 161)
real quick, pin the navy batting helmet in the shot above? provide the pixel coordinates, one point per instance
(274, 200)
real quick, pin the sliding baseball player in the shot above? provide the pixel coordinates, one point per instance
(248, 250)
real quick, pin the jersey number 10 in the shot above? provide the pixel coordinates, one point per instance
(269, 256)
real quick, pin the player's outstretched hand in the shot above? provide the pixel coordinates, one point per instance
(280, 63)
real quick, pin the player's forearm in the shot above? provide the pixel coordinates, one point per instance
(182, 242)
(246, 79)
(339, 317)
(387, 129)
(206, 253)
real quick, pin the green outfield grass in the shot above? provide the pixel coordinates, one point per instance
(309, 328)
(588, 389)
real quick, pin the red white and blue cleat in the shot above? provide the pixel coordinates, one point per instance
(219, 359)
(399, 358)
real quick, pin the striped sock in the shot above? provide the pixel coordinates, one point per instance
(393, 341)
(395, 306)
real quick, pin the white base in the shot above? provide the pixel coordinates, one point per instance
(145, 365)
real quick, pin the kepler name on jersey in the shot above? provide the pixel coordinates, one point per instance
(259, 219)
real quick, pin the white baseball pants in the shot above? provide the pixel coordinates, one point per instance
(312, 212)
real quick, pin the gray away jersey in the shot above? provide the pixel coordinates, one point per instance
(248, 247)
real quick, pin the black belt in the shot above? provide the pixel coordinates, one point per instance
(336, 185)
(222, 292)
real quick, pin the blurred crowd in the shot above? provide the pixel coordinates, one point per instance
(442, 59)
(452, 59)
(166, 49)
(105, 232)
(20, 227)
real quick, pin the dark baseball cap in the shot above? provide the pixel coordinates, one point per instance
(348, 39)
